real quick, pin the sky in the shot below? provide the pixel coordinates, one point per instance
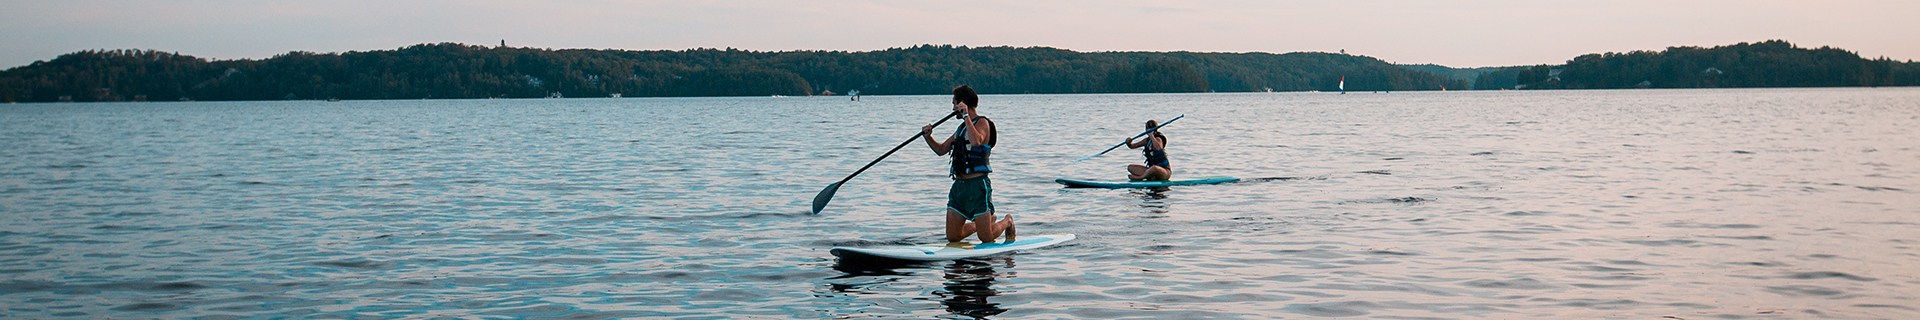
(1461, 33)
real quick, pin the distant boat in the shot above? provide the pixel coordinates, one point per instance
(1343, 85)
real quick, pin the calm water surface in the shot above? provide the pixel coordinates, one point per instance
(1691, 204)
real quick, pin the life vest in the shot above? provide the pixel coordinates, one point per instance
(1156, 157)
(969, 158)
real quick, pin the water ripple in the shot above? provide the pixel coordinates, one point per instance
(1778, 203)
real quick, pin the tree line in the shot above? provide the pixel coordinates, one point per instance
(1773, 63)
(460, 71)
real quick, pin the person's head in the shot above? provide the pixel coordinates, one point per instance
(965, 94)
(1151, 124)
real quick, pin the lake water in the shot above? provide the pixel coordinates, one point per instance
(1691, 204)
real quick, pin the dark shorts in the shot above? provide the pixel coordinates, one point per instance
(970, 197)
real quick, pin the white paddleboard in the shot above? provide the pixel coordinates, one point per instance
(949, 251)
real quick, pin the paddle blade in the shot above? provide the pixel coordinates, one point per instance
(820, 201)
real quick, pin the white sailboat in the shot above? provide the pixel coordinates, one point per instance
(1343, 85)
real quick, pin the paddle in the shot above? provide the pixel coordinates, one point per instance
(1142, 134)
(820, 201)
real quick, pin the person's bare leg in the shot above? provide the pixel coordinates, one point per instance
(1008, 226)
(985, 222)
(991, 227)
(1136, 172)
(1157, 173)
(958, 228)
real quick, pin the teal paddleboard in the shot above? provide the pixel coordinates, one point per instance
(1072, 183)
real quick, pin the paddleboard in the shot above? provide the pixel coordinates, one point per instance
(949, 251)
(1072, 183)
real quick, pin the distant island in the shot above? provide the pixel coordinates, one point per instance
(460, 71)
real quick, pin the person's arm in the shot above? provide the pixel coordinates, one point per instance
(977, 131)
(939, 147)
(1133, 144)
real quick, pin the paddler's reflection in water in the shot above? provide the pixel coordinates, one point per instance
(965, 284)
(969, 282)
(1151, 199)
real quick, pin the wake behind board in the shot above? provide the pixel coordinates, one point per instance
(949, 251)
(1072, 183)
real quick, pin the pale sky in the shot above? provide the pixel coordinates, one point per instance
(1451, 33)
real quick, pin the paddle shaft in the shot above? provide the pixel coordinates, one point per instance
(1142, 134)
(916, 136)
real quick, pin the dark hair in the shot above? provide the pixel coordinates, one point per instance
(965, 94)
(1156, 133)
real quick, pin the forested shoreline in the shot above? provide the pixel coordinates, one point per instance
(459, 71)
(1766, 64)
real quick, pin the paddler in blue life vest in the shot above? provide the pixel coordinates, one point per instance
(1155, 148)
(970, 201)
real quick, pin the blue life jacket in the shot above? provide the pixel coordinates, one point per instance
(1156, 157)
(969, 158)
